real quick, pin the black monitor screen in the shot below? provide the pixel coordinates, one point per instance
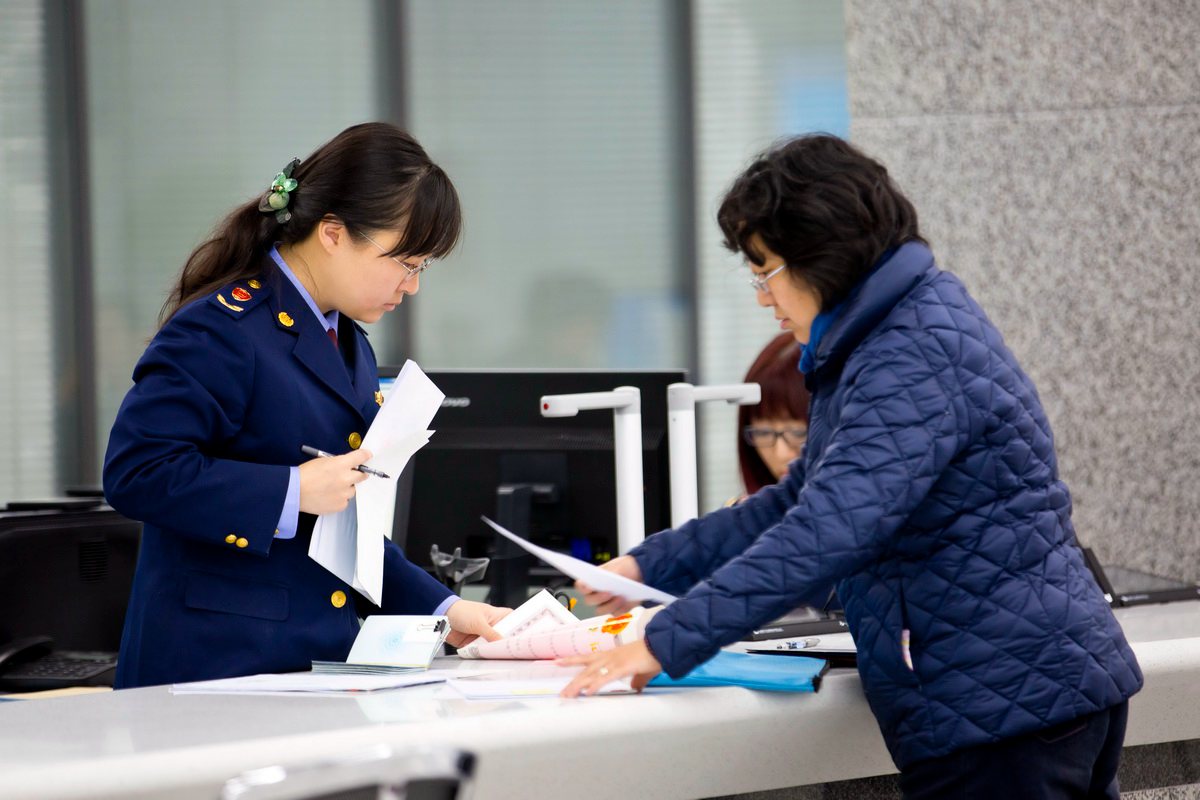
(490, 433)
(66, 575)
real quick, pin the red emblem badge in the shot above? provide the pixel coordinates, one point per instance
(240, 294)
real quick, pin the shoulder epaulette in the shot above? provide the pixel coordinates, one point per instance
(236, 298)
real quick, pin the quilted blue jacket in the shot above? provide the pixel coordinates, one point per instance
(929, 496)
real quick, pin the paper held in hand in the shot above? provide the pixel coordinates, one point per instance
(350, 543)
(542, 629)
(600, 580)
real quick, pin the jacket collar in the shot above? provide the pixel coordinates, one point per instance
(823, 322)
(312, 347)
(872, 300)
(330, 320)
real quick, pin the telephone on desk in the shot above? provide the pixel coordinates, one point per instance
(31, 664)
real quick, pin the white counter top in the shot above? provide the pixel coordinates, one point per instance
(684, 744)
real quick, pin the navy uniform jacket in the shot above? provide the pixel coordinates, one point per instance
(223, 398)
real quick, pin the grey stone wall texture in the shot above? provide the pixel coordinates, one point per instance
(1053, 152)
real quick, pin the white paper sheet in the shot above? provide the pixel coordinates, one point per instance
(542, 679)
(311, 683)
(599, 579)
(350, 543)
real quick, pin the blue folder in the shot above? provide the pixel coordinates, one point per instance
(762, 672)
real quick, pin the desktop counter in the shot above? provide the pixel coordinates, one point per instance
(673, 744)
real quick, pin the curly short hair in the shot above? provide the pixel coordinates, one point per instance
(822, 205)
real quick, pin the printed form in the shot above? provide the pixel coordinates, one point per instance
(350, 543)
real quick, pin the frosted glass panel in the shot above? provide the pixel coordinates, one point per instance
(29, 392)
(557, 122)
(193, 108)
(764, 70)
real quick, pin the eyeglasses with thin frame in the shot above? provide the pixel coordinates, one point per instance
(756, 436)
(411, 270)
(759, 282)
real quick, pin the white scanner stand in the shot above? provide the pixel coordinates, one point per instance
(626, 403)
(681, 432)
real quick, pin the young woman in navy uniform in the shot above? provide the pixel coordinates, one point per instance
(260, 352)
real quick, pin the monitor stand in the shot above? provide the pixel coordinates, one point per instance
(510, 564)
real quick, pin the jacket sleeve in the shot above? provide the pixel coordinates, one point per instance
(164, 464)
(676, 560)
(898, 430)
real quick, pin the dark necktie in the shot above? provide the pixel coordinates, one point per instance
(333, 338)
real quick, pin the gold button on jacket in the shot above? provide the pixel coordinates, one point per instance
(338, 599)
(355, 440)
(242, 541)
(231, 538)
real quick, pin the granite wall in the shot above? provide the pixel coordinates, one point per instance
(1053, 153)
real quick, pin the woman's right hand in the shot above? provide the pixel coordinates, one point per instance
(327, 484)
(607, 602)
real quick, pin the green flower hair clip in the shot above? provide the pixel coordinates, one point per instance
(276, 199)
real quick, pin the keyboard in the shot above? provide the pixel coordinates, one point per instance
(59, 670)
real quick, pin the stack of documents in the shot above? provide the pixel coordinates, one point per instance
(346, 668)
(390, 644)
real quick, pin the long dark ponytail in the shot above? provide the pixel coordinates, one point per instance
(372, 176)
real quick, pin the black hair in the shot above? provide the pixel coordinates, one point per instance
(371, 177)
(823, 206)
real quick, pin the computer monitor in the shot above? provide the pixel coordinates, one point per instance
(67, 574)
(491, 438)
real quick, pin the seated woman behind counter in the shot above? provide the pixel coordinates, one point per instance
(771, 434)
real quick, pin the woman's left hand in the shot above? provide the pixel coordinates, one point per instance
(633, 659)
(470, 620)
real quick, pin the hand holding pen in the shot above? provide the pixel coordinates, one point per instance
(312, 451)
(327, 482)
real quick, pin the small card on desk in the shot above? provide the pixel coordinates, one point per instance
(391, 643)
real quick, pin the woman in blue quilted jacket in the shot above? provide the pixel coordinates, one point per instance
(928, 495)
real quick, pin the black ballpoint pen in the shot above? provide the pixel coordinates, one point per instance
(312, 451)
